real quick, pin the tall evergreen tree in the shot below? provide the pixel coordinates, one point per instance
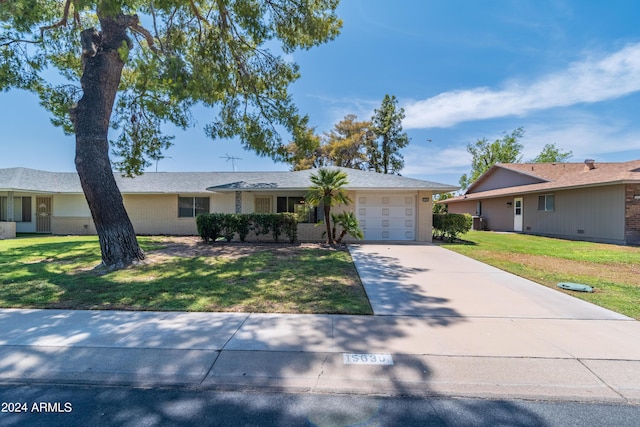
(148, 62)
(384, 153)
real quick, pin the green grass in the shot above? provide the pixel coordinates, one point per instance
(614, 271)
(57, 272)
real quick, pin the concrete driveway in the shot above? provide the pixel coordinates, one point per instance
(430, 281)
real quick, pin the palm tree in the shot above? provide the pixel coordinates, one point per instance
(349, 224)
(328, 190)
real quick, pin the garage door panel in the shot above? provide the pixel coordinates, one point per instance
(391, 234)
(387, 217)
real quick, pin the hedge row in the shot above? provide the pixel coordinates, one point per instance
(215, 225)
(449, 225)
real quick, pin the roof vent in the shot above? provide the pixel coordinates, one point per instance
(590, 165)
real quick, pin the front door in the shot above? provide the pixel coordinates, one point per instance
(43, 214)
(517, 214)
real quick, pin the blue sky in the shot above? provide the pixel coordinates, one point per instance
(568, 72)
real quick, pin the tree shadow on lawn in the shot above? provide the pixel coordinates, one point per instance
(265, 281)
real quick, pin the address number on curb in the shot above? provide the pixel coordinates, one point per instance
(367, 359)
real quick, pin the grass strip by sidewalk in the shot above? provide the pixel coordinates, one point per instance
(614, 271)
(57, 272)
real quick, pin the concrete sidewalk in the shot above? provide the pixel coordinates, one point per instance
(450, 325)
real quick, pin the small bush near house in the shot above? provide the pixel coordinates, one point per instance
(448, 226)
(209, 226)
(215, 225)
(290, 225)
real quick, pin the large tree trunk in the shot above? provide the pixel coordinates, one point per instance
(102, 70)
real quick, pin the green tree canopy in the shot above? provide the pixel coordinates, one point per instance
(346, 144)
(133, 65)
(486, 154)
(439, 207)
(366, 145)
(551, 154)
(306, 151)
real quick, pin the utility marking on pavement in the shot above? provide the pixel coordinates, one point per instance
(367, 359)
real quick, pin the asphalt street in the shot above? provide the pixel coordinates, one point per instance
(120, 406)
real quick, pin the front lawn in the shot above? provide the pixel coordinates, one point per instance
(614, 271)
(181, 274)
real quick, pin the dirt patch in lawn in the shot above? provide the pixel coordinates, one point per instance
(190, 246)
(610, 272)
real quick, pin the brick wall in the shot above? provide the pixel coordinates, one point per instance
(632, 214)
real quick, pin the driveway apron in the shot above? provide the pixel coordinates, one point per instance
(430, 281)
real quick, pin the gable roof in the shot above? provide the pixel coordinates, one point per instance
(32, 180)
(358, 180)
(554, 176)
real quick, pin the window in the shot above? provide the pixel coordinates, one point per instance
(26, 209)
(190, 207)
(297, 205)
(21, 209)
(3, 209)
(545, 203)
(262, 205)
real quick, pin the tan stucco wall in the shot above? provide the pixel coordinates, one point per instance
(72, 225)
(71, 215)
(424, 208)
(158, 213)
(70, 205)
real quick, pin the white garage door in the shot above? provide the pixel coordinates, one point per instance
(387, 216)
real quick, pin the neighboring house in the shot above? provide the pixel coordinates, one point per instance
(389, 207)
(582, 201)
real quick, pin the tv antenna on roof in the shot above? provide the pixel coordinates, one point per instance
(233, 160)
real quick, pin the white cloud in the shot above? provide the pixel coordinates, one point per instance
(591, 80)
(434, 160)
(586, 137)
(335, 109)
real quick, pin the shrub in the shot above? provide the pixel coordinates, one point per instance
(260, 223)
(242, 223)
(290, 225)
(215, 225)
(209, 226)
(228, 226)
(448, 226)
